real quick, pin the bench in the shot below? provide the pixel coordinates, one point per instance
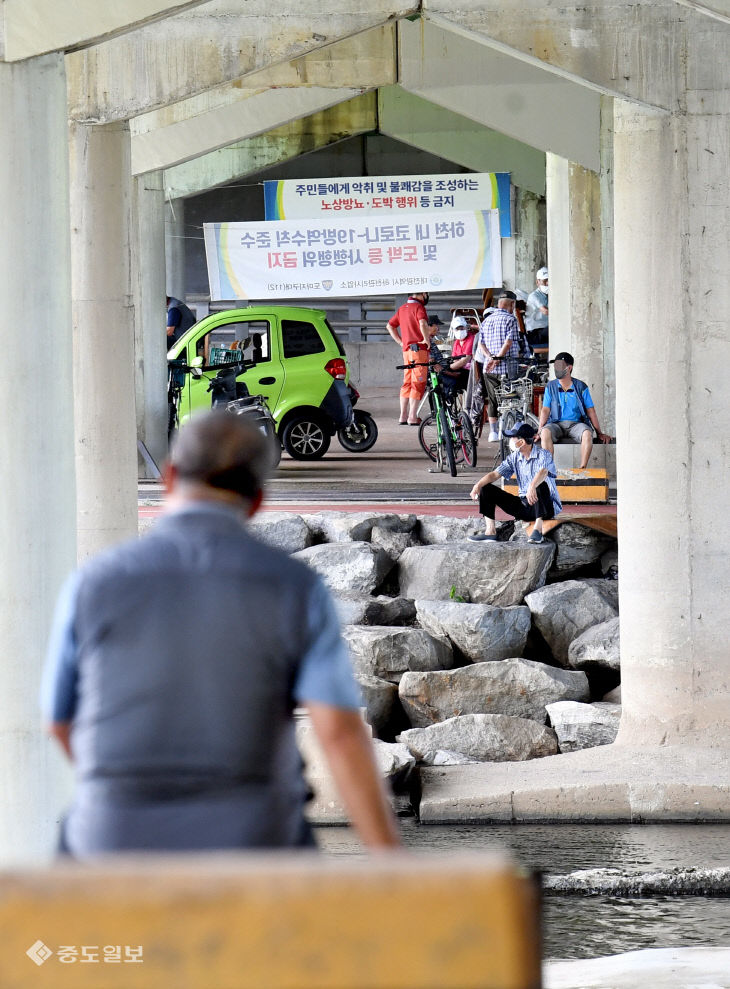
(286, 921)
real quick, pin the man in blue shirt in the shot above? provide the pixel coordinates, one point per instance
(175, 664)
(538, 494)
(567, 411)
(179, 320)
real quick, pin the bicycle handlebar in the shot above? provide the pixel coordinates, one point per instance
(403, 367)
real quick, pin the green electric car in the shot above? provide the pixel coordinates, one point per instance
(293, 358)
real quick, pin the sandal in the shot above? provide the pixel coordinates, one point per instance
(416, 423)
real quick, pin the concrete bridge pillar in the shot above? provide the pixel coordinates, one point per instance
(175, 247)
(150, 340)
(104, 388)
(580, 252)
(37, 495)
(672, 357)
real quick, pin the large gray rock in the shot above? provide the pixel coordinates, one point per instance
(582, 726)
(578, 546)
(443, 529)
(380, 610)
(379, 697)
(283, 530)
(481, 631)
(348, 568)
(337, 527)
(388, 653)
(442, 757)
(484, 573)
(597, 646)
(518, 687)
(564, 611)
(393, 758)
(485, 738)
(391, 541)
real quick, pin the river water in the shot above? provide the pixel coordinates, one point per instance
(587, 927)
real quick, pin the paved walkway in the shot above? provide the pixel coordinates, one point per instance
(394, 476)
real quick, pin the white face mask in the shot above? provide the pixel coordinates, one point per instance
(513, 444)
(460, 334)
(543, 288)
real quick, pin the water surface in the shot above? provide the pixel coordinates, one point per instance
(586, 927)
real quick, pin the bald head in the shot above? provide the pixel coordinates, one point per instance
(222, 452)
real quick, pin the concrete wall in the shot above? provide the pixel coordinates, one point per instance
(374, 364)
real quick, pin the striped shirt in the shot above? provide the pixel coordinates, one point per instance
(498, 327)
(525, 468)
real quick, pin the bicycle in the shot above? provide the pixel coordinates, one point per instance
(446, 435)
(514, 405)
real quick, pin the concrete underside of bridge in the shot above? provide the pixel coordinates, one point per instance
(628, 106)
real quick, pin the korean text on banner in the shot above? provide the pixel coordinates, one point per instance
(295, 199)
(353, 256)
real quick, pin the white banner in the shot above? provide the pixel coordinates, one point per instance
(353, 256)
(463, 192)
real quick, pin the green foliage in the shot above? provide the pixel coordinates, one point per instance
(454, 596)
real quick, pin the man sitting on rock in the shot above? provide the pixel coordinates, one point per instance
(535, 472)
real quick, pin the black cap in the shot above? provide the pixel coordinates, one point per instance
(522, 429)
(507, 294)
(435, 321)
(563, 356)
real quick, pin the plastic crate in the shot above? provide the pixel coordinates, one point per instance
(219, 355)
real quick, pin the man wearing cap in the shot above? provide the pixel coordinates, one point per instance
(537, 314)
(175, 664)
(567, 411)
(413, 338)
(499, 351)
(538, 494)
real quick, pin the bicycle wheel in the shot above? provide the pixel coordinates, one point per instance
(447, 441)
(428, 437)
(467, 442)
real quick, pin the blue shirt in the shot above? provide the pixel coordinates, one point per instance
(525, 469)
(496, 329)
(568, 403)
(324, 674)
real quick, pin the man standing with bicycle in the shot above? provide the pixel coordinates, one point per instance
(498, 351)
(538, 493)
(412, 321)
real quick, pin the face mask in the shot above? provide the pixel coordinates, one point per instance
(543, 288)
(460, 334)
(560, 371)
(513, 445)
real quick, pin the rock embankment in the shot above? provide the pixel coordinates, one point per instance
(469, 652)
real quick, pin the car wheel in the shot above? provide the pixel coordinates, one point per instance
(305, 438)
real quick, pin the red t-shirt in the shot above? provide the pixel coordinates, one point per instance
(464, 348)
(408, 318)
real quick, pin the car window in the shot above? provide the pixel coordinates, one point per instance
(252, 336)
(300, 338)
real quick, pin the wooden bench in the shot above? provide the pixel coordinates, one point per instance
(245, 921)
(587, 486)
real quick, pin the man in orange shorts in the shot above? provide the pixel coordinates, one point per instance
(413, 338)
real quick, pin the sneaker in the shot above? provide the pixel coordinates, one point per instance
(535, 537)
(493, 437)
(480, 537)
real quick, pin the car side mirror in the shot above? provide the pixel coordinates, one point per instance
(196, 367)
